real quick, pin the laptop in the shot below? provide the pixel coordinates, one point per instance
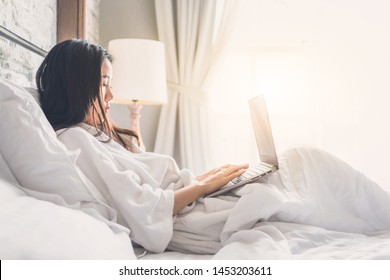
(265, 145)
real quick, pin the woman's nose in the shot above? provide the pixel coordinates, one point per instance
(109, 95)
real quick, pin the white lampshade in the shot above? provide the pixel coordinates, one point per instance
(139, 71)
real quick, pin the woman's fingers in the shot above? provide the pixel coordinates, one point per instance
(223, 174)
(228, 168)
(234, 168)
(223, 168)
(232, 172)
(236, 174)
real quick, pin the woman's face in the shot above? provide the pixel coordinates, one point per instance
(105, 91)
(105, 84)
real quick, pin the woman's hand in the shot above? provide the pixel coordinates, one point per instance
(212, 171)
(207, 183)
(219, 177)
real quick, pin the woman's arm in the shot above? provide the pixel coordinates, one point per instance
(207, 183)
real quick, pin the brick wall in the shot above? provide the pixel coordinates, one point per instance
(35, 21)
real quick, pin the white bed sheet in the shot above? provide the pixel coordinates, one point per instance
(141, 254)
(323, 210)
(288, 241)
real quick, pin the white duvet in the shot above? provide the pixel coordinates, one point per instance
(314, 207)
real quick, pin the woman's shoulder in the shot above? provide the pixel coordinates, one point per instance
(76, 133)
(77, 137)
(76, 129)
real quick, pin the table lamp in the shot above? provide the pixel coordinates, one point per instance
(139, 75)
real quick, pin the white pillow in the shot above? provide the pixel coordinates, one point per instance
(38, 160)
(32, 159)
(35, 229)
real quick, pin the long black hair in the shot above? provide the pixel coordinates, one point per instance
(68, 83)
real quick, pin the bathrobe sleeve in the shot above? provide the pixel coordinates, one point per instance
(145, 210)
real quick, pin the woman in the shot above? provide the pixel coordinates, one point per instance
(147, 190)
(74, 86)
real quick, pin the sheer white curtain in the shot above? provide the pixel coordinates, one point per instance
(192, 43)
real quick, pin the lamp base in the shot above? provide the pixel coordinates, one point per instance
(135, 115)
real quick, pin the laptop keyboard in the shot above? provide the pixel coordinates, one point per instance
(253, 171)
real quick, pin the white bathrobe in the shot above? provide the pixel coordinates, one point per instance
(138, 185)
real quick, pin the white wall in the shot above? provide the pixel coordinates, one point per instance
(130, 19)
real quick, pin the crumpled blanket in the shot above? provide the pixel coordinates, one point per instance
(315, 206)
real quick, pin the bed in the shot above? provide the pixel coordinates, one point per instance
(306, 219)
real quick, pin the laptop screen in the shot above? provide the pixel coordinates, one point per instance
(262, 129)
